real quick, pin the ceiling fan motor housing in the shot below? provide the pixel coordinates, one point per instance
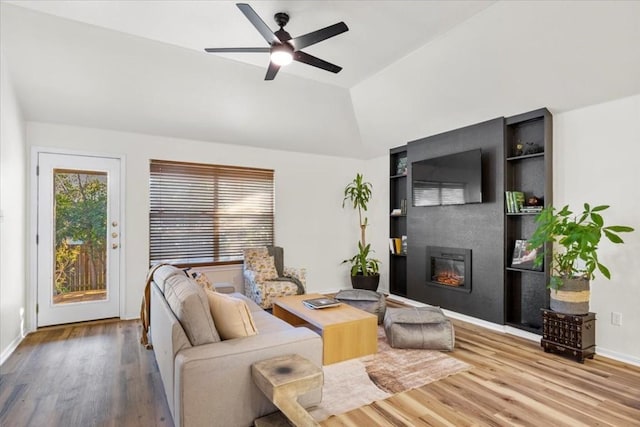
(281, 19)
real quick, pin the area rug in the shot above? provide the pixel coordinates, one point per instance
(358, 382)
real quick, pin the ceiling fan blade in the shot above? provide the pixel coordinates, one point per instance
(272, 71)
(317, 36)
(237, 49)
(262, 28)
(315, 62)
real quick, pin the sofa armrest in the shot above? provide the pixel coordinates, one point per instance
(213, 383)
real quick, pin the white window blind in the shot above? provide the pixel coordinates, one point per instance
(207, 214)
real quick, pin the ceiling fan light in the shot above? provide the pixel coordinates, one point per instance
(281, 57)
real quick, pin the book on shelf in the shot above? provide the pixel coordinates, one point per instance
(514, 201)
(531, 209)
(403, 206)
(519, 196)
(396, 245)
(508, 201)
(324, 302)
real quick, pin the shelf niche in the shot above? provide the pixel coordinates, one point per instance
(528, 168)
(398, 223)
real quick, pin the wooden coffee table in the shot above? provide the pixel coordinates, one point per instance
(347, 332)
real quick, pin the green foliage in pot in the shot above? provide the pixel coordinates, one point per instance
(358, 193)
(576, 238)
(361, 263)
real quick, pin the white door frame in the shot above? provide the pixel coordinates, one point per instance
(32, 288)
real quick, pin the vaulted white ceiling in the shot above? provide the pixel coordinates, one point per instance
(411, 68)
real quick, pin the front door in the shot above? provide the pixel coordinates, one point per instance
(78, 238)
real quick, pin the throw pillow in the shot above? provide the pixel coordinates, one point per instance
(231, 316)
(189, 303)
(200, 278)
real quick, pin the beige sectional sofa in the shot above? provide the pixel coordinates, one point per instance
(208, 381)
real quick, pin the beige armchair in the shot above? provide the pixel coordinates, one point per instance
(266, 277)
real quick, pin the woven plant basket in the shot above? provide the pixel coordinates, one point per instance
(572, 297)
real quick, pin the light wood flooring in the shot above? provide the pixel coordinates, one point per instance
(97, 374)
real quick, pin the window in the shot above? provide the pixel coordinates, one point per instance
(207, 214)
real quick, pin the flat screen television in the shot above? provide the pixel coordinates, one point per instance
(455, 179)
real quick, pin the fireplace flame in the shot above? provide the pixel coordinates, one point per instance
(449, 278)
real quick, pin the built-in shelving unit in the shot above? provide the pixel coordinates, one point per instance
(398, 222)
(530, 173)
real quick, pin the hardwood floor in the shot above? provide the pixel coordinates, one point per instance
(513, 382)
(97, 374)
(89, 374)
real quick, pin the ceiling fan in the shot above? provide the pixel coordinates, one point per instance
(284, 49)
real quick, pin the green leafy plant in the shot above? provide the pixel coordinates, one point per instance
(358, 193)
(576, 238)
(361, 263)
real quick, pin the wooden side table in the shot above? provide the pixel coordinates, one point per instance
(569, 334)
(283, 379)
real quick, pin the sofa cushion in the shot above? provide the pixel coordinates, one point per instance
(189, 303)
(162, 273)
(269, 324)
(253, 307)
(231, 316)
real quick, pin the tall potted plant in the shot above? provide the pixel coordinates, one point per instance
(364, 269)
(574, 258)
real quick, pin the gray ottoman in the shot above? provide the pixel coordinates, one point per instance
(369, 301)
(419, 327)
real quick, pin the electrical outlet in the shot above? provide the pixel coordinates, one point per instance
(616, 319)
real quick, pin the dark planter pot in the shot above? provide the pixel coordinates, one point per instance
(369, 283)
(571, 298)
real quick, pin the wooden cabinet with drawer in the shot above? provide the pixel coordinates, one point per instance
(569, 334)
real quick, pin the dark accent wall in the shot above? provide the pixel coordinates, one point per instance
(479, 227)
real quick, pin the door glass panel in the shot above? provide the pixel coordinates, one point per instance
(80, 230)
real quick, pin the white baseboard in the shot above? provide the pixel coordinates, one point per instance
(10, 349)
(523, 334)
(130, 316)
(620, 357)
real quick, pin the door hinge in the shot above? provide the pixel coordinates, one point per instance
(37, 308)
(38, 170)
(37, 239)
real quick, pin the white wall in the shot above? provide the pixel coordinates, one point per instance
(377, 173)
(13, 164)
(596, 160)
(556, 59)
(310, 222)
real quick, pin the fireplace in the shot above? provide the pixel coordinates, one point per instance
(449, 268)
